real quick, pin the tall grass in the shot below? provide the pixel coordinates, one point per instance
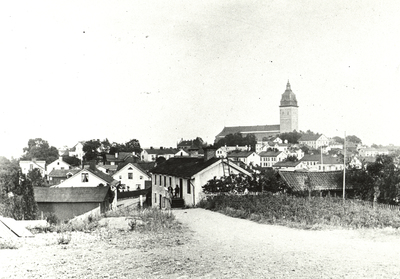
(303, 212)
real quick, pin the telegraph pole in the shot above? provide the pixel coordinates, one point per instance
(344, 167)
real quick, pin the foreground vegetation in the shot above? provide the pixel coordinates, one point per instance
(125, 226)
(300, 212)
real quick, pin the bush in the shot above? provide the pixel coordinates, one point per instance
(8, 244)
(51, 218)
(303, 212)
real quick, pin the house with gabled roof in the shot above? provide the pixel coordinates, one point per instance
(120, 157)
(58, 176)
(89, 177)
(58, 164)
(185, 144)
(151, 154)
(131, 176)
(270, 158)
(289, 165)
(314, 141)
(185, 176)
(69, 202)
(247, 157)
(28, 165)
(317, 162)
(77, 150)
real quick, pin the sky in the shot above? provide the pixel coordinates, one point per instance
(160, 71)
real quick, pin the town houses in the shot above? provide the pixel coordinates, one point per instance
(174, 176)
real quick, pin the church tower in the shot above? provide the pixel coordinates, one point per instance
(289, 115)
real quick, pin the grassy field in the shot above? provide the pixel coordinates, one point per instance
(303, 213)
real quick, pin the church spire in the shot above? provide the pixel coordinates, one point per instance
(288, 85)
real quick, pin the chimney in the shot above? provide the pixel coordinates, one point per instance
(92, 165)
(209, 152)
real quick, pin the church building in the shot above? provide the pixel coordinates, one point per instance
(289, 118)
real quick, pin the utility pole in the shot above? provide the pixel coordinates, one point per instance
(344, 167)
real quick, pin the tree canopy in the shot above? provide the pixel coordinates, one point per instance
(238, 139)
(40, 149)
(291, 137)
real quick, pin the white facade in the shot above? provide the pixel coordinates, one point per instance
(58, 164)
(372, 152)
(132, 177)
(270, 158)
(192, 191)
(316, 142)
(78, 152)
(26, 166)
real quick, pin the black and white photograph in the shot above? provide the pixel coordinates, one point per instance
(199, 139)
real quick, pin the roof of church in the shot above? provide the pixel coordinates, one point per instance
(288, 97)
(259, 131)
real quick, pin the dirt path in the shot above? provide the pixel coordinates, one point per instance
(213, 246)
(229, 247)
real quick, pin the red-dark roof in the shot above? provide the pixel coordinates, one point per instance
(63, 173)
(317, 158)
(159, 151)
(308, 137)
(183, 166)
(259, 131)
(71, 194)
(329, 180)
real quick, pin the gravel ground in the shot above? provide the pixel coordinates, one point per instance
(210, 245)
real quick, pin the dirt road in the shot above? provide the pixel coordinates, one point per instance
(238, 248)
(213, 246)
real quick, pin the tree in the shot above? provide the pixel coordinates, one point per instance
(338, 139)
(238, 139)
(16, 191)
(291, 137)
(91, 149)
(36, 179)
(353, 139)
(131, 146)
(9, 180)
(40, 149)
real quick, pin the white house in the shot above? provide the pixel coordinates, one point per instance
(223, 151)
(314, 141)
(131, 176)
(289, 166)
(324, 163)
(270, 158)
(372, 152)
(247, 157)
(26, 166)
(77, 150)
(91, 177)
(151, 154)
(186, 176)
(58, 164)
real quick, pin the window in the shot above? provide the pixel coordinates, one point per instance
(141, 177)
(160, 180)
(155, 197)
(165, 181)
(130, 175)
(188, 186)
(170, 181)
(85, 177)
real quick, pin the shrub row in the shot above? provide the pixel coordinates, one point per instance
(303, 212)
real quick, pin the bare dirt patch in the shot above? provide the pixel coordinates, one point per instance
(210, 245)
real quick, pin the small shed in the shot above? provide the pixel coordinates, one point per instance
(68, 202)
